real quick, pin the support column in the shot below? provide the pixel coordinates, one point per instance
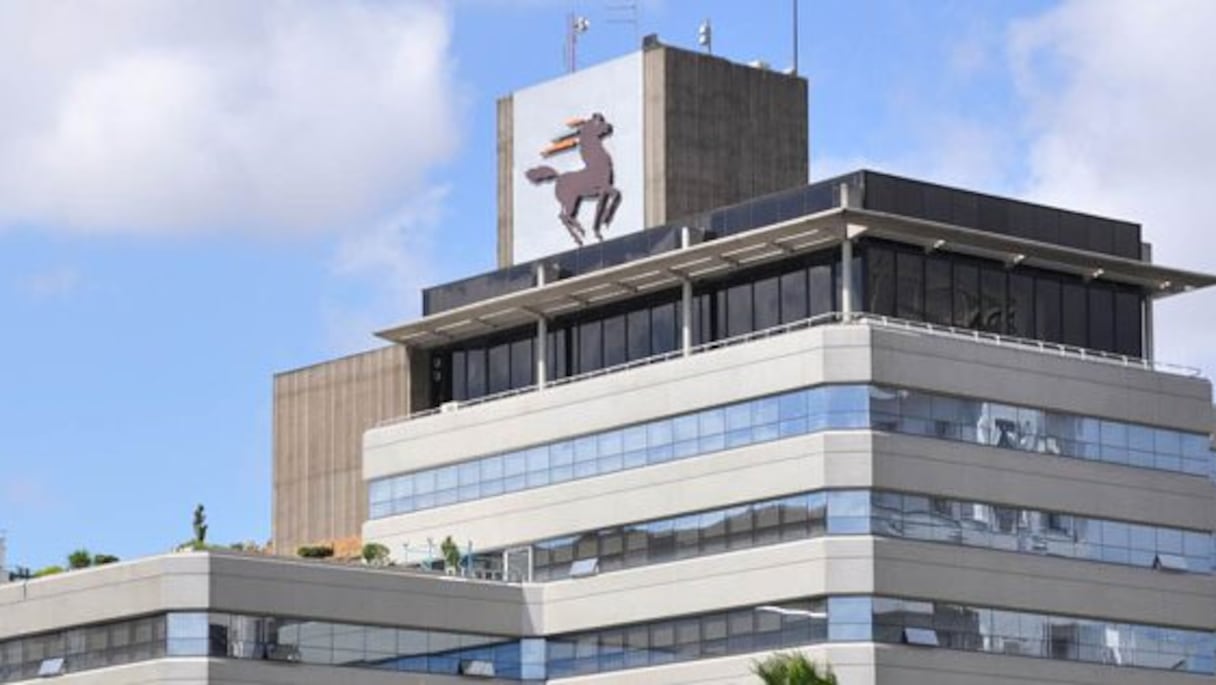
(542, 355)
(685, 300)
(846, 278)
(542, 336)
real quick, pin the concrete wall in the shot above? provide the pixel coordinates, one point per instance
(320, 413)
(730, 132)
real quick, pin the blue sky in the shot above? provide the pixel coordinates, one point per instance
(194, 196)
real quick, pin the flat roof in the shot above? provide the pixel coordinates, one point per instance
(771, 242)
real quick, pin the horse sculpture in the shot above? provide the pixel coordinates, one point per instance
(594, 180)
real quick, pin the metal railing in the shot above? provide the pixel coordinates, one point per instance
(876, 320)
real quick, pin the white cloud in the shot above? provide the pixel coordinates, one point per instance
(1122, 117)
(53, 283)
(392, 261)
(150, 116)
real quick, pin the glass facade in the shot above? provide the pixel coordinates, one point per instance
(868, 189)
(800, 412)
(880, 619)
(239, 636)
(967, 292)
(84, 648)
(868, 512)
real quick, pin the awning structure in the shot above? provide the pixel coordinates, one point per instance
(768, 243)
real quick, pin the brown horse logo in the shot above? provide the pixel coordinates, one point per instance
(594, 180)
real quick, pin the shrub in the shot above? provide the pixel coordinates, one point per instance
(451, 554)
(375, 554)
(80, 559)
(48, 571)
(316, 551)
(103, 559)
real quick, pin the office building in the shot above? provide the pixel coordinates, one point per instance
(917, 432)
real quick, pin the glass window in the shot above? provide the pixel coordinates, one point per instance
(1021, 305)
(966, 295)
(1047, 309)
(1073, 315)
(1128, 324)
(795, 304)
(615, 343)
(1101, 318)
(822, 290)
(910, 289)
(477, 374)
(766, 295)
(663, 325)
(939, 300)
(460, 390)
(739, 310)
(639, 334)
(523, 364)
(880, 281)
(590, 347)
(992, 300)
(500, 368)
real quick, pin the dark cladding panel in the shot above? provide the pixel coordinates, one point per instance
(880, 193)
(1074, 230)
(994, 215)
(1101, 235)
(965, 209)
(1127, 240)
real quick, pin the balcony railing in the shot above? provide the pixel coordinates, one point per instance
(833, 318)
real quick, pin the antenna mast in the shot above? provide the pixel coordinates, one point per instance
(575, 25)
(626, 13)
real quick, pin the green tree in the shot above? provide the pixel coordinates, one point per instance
(79, 559)
(451, 554)
(200, 528)
(47, 571)
(375, 554)
(103, 559)
(792, 668)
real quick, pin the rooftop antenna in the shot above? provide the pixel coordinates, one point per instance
(575, 26)
(705, 36)
(795, 27)
(626, 13)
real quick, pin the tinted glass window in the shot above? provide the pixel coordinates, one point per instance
(639, 334)
(663, 326)
(992, 299)
(1074, 321)
(794, 301)
(614, 341)
(500, 368)
(476, 386)
(523, 364)
(767, 303)
(966, 296)
(1047, 309)
(1101, 318)
(910, 291)
(822, 294)
(1021, 305)
(738, 310)
(590, 347)
(880, 281)
(939, 299)
(1128, 324)
(459, 382)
